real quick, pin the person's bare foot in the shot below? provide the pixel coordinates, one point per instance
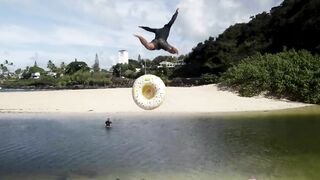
(136, 35)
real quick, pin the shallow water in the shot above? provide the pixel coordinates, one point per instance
(264, 146)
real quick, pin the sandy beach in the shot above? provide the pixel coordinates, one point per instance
(201, 99)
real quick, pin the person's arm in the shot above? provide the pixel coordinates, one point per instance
(174, 17)
(148, 29)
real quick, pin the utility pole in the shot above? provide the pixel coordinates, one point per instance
(145, 66)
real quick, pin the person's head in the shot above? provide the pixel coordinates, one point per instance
(173, 50)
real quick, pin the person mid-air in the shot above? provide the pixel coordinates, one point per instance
(160, 41)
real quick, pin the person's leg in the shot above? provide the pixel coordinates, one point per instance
(145, 43)
(165, 31)
(174, 17)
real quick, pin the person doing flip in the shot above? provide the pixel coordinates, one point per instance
(161, 36)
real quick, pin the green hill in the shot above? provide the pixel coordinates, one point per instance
(295, 24)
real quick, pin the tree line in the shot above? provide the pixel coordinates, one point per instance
(79, 74)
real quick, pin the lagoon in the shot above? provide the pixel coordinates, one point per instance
(200, 146)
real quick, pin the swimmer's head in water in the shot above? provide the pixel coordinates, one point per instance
(173, 50)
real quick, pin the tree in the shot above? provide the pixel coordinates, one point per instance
(4, 67)
(147, 65)
(36, 69)
(96, 67)
(181, 57)
(129, 74)
(75, 66)
(18, 71)
(134, 64)
(126, 70)
(61, 70)
(118, 69)
(51, 66)
(25, 73)
(63, 66)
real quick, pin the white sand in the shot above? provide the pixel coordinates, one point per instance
(179, 100)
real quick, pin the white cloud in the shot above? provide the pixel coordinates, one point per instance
(57, 36)
(17, 34)
(65, 29)
(72, 36)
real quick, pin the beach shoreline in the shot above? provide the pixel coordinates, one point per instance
(198, 99)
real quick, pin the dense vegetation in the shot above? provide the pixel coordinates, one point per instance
(289, 74)
(137, 68)
(295, 24)
(78, 74)
(75, 74)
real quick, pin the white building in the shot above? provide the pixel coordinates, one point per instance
(123, 57)
(170, 64)
(166, 64)
(35, 75)
(52, 74)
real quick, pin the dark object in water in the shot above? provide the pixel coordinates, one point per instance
(108, 123)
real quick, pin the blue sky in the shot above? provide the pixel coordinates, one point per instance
(63, 30)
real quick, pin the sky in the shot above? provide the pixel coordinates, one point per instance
(62, 30)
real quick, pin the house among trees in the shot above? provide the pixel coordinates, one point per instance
(168, 64)
(52, 74)
(35, 75)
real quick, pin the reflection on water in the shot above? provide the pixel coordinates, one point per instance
(142, 147)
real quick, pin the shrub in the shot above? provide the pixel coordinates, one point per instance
(209, 78)
(291, 74)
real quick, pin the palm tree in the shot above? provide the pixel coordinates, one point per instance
(4, 68)
(1, 68)
(51, 66)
